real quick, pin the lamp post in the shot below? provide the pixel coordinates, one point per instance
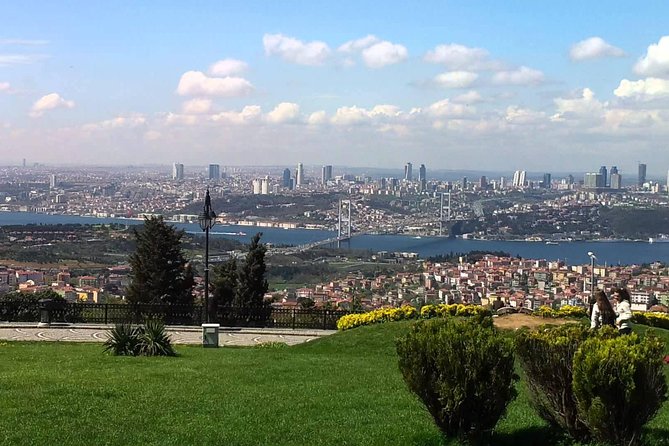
(207, 220)
(592, 279)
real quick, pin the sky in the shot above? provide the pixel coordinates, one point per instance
(484, 85)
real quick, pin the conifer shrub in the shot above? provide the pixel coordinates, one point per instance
(546, 356)
(619, 385)
(462, 370)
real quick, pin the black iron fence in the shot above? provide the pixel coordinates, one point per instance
(91, 313)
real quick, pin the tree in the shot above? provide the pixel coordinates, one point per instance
(160, 273)
(224, 284)
(252, 285)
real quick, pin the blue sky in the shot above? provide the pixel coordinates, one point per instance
(458, 85)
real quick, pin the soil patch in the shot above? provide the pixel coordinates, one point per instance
(517, 320)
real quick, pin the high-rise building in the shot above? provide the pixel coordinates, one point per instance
(326, 174)
(264, 186)
(299, 175)
(668, 182)
(483, 182)
(519, 177)
(422, 177)
(615, 179)
(604, 174)
(642, 174)
(286, 178)
(502, 183)
(214, 172)
(547, 181)
(53, 181)
(257, 187)
(464, 183)
(177, 171)
(614, 169)
(408, 173)
(593, 180)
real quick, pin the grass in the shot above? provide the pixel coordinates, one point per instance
(344, 389)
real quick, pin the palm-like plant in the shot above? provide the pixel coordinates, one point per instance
(154, 341)
(123, 340)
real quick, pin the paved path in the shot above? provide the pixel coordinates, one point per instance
(179, 335)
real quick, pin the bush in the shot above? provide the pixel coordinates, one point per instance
(571, 311)
(462, 372)
(619, 385)
(147, 340)
(546, 356)
(660, 320)
(123, 340)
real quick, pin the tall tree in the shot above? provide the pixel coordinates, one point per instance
(252, 284)
(224, 285)
(159, 268)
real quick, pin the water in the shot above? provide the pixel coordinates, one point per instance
(612, 253)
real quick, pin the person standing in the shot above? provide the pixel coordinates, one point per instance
(602, 311)
(623, 310)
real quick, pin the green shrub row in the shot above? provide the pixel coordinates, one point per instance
(564, 311)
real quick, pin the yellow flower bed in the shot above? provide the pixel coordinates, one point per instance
(407, 312)
(660, 320)
(564, 311)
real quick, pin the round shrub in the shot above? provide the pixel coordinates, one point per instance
(546, 355)
(619, 385)
(462, 371)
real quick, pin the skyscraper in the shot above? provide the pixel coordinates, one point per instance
(214, 172)
(177, 171)
(593, 180)
(642, 174)
(603, 173)
(326, 174)
(422, 177)
(615, 179)
(286, 178)
(299, 175)
(408, 173)
(519, 177)
(547, 181)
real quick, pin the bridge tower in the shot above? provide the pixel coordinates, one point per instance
(344, 222)
(441, 213)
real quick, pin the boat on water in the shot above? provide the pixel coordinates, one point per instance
(552, 243)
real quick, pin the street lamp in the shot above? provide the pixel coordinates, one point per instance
(207, 220)
(592, 278)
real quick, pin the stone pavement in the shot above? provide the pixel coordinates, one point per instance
(180, 335)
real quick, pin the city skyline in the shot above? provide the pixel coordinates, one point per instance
(482, 85)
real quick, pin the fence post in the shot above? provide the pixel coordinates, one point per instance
(325, 319)
(293, 318)
(106, 306)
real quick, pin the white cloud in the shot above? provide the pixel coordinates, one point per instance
(284, 112)
(594, 48)
(460, 57)
(471, 97)
(350, 115)
(49, 102)
(129, 121)
(656, 61)
(521, 76)
(23, 42)
(249, 114)
(447, 109)
(456, 79)
(228, 67)
(197, 106)
(586, 105)
(19, 59)
(316, 118)
(649, 88)
(4, 86)
(384, 53)
(523, 116)
(359, 44)
(196, 83)
(296, 51)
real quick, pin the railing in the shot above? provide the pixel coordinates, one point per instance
(171, 314)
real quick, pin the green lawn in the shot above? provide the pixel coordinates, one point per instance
(345, 389)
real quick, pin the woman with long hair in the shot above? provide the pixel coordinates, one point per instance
(602, 311)
(623, 310)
